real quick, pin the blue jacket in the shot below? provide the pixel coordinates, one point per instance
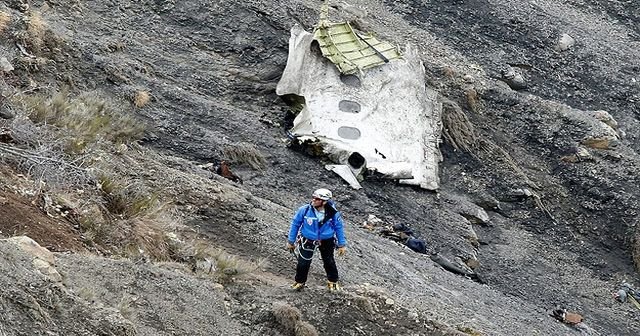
(306, 223)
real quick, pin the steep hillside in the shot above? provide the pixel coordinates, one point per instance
(551, 157)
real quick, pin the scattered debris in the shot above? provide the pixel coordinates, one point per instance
(224, 171)
(574, 320)
(564, 316)
(627, 292)
(403, 234)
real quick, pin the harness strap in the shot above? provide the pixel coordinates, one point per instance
(301, 244)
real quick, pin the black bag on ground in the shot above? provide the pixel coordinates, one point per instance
(417, 245)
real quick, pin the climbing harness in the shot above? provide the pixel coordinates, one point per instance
(302, 243)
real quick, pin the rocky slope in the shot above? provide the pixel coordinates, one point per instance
(556, 178)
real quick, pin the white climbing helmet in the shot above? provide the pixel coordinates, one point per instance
(323, 194)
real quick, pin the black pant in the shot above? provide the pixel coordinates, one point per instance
(305, 257)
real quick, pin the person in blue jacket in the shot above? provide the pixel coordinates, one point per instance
(317, 225)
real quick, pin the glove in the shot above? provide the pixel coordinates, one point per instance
(342, 251)
(290, 247)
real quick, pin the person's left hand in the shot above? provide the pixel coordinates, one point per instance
(342, 251)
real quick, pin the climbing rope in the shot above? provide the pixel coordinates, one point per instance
(300, 245)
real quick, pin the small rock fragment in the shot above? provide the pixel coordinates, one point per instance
(565, 42)
(5, 66)
(513, 78)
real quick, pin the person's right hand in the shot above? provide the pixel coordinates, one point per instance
(290, 247)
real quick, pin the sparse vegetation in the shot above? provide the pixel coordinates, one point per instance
(458, 130)
(88, 294)
(304, 328)
(365, 304)
(125, 306)
(448, 72)
(469, 331)
(141, 98)
(82, 121)
(290, 319)
(286, 315)
(245, 153)
(226, 267)
(33, 35)
(5, 20)
(30, 64)
(473, 99)
(125, 200)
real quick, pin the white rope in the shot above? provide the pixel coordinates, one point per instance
(300, 245)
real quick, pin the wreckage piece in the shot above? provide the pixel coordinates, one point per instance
(384, 119)
(346, 173)
(350, 51)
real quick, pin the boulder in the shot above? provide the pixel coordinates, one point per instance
(42, 259)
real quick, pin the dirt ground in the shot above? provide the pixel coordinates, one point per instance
(21, 216)
(211, 69)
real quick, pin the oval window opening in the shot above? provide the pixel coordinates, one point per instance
(356, 160)
(350, 133)
(351, 80)
(349, 106)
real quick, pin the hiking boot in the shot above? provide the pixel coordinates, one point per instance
(297, 286)
(333, 286)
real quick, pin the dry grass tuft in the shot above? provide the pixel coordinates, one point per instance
(31, 64)
(125, 306)
(145, 238)
(473, 99)
(36, 28)
(125, 200)
(245, 153)
(225, 267)
(305, 329)
(88, 294)
(458, 130)
(469, 331)
(83, 121)
(448, 72)
(130, 223)
(141, 98)
(286, 315)
(364, 304)
(5, 20)
(502, 156)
